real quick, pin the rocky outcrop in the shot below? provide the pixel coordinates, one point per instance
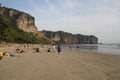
(64, 37)
(19, 19)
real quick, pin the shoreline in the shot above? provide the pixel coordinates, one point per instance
(111, 49)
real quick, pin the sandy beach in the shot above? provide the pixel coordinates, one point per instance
(71, 65)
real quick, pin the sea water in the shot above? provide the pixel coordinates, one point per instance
(113, 49)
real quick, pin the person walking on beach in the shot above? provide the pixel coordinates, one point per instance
(77, 47)
(59, 50)
(70, 47)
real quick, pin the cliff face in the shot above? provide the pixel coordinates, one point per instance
(69, 38)
(19, 19)
(26, 22)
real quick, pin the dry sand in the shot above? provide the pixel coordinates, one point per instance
(72, 65)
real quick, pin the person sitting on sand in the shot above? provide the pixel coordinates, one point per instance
(12, 55)
(7, 54)
(1, 55)
(19, 51)
(37, 50)
(49, 50)
(4, 53)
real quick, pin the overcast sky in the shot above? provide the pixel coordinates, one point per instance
(89, 17)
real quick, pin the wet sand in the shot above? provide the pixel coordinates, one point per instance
(71, 65)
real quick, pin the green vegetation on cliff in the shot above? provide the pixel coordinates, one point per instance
(10, 33)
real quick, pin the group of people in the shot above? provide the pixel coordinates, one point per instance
(9, 54)
(6, 54)
(54, 48)
(77, 47)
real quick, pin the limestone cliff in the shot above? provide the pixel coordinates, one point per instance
(23, 21)
(64, 37)
(26, 22)
(19, 19)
